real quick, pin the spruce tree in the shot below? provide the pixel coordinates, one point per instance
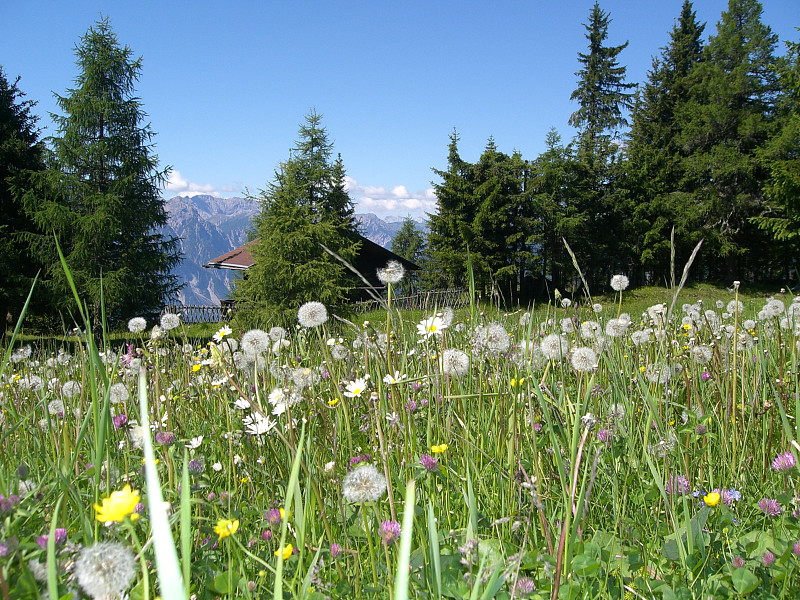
(21, 153)
(100, 195)
(450, 236)
(724, 130)
(655, 158)
(305, 207)
(409, 242)
(603, 97)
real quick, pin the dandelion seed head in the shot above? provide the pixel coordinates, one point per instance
(363, 484)
(619, 283)
(455, 363)
(312, 314)
(170, 321)
(255, 342)
(554, 346)
(118, 393)
(392, 273)
(583, 360)
(497, 340)
(277, 334)
(105, 570)
(616, 328)
(701, 355)
(137, 325)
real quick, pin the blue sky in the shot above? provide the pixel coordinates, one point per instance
(226, 84)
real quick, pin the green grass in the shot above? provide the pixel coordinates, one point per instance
(554, 481)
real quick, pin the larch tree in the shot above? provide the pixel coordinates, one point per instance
(100, 195)
(304, 208)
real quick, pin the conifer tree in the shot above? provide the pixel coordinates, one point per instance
(409, 242)
(655, 158)
(100, 194)
(450, 235)
(782, 153)
(603, 97)
(724, 129)
(21, 153)
(304, 207)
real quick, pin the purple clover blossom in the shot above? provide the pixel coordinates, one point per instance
(784, 462)
(336, 550)
(605, 436)
(524, 586)
(769, 507)
(390, 531)
(274, 516)
(796, 549)
(359, 459)
(60, 537)
(678, 485)
(737, 562)
(430, 463)
(165, 438)
(728, 496)
(120, 420)
(705, 376)
(768, 558)
(411, 406)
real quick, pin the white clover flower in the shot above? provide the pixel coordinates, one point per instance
(312, 314)
(217, 466)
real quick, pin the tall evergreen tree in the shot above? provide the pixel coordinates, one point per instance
(723, 129)
(603, 97)
(304, 207)
(450, 235)
(100, 195)
(782, 154)
(655, 158)
(21, 153)
(409, 242)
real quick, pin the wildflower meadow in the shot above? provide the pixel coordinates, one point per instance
(576, 450)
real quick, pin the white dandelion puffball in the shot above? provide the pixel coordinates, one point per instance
(137, 325)
(170, 321)
(363, 484)
(583, 360)
(312, 314)
(554, 346)
(619, 283)
(455, 363)
(105, 570)
(392, 273)
(255, 342)
(118, 394)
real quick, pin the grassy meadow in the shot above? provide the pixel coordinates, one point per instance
(637, 445)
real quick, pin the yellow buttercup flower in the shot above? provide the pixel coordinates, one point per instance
(118, 505)
(226, 527)
(711, 499)
(287, 551)
(439, 449)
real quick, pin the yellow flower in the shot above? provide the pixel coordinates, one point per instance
(439, 449)
(226, 527)
(711, 499)
(118, 505)
(333, 402)
(196, 368)
(287, 551)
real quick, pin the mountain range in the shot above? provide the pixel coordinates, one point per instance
(208, 226)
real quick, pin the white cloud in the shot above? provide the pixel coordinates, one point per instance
(397, 201)
(180, 186)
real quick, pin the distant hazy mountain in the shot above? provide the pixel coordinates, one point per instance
(209, 227)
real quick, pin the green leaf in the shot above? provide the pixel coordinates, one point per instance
(744, 581)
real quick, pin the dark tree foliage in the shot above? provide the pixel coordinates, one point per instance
(723, 130)
(782, 153)
(450, 234)
(100, 195)
(656, 159)
(304, 207)
(21, 153)
(603, 97)
(409, 242)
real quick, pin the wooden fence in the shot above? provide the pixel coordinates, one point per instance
(454, 298)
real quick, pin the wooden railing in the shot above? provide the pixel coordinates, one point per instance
(454, 298)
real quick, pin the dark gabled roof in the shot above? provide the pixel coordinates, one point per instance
(370, 258)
